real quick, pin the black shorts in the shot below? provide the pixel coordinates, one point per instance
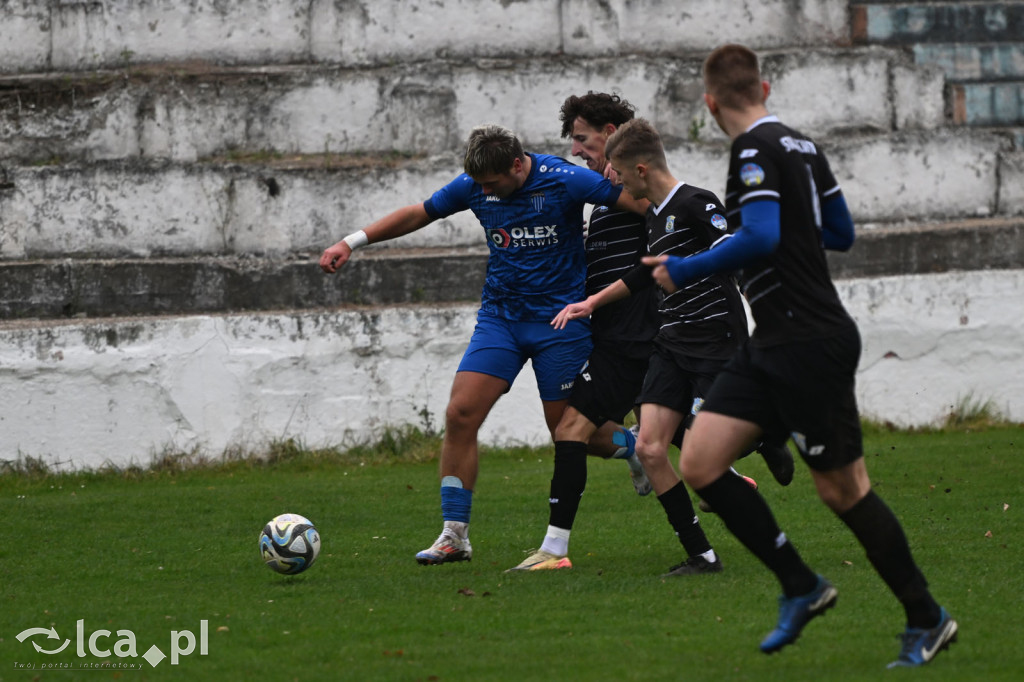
(679, 382)
(607, 386)
(802, 389)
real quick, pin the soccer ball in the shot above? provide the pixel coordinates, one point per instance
(289, 543)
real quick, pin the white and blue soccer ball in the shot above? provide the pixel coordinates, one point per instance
(289, 544)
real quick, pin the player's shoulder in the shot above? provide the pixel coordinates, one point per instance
(461, 182)
(697, 199)
(769, 137)
(551, 166)
(696, 206)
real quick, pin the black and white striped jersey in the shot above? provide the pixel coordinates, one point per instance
(705, 318)
(615, 242)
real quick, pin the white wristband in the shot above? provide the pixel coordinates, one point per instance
(356, 239)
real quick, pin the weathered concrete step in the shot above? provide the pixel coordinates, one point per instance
(118, 391)
(988, 104)
(189, 111)
(146, 210)
(937, 22)
(86, 34)
(91, 288)
(979, 62)
(933, 248)
(103, 288)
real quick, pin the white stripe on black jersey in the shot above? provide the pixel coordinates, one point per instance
(704, 318)
(615, 242)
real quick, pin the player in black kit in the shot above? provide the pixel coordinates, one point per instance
(700, 328)
(796, 374)
(606, 388)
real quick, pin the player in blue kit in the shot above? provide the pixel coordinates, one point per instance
(531, 209)
(797, 372)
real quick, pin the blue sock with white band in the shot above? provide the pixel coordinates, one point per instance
(456, 501)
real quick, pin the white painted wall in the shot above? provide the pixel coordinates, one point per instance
(79, 34)
(121, 391)
(117, 211)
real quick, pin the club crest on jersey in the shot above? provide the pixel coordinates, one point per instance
(719, 222)
(670, 224)
(752, 175)
(537, 200)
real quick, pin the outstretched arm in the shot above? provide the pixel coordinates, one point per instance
(586, 308)
(756, 239)
(395, 224)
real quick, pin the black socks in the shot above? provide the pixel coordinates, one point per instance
(679, 509)
(880, 533)
(568, 481)
(748, 517)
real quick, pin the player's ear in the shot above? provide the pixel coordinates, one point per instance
(712, 103)
(766, 88)
(608, 129)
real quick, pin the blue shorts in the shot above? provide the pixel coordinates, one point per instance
(501, 347)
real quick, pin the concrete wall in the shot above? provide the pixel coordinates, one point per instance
(192, 112)
(38, 35)
(121, 391)
(140, 210)
(182, 159)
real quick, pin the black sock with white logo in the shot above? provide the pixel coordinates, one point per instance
(748, 516)
(679, 509)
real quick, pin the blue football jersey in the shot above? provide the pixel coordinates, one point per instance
(537, 264)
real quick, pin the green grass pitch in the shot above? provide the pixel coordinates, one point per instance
(162, 551)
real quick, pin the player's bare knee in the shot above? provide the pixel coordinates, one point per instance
(462, 417)
(650, 454)
(689, 470)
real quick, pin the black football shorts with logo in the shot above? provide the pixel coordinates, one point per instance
(607, 386)
(804, 390)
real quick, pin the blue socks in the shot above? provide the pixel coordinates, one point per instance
(626, 441)
(456, 501)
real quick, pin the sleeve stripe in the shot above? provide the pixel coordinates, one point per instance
(831, 191)
(760, 194)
